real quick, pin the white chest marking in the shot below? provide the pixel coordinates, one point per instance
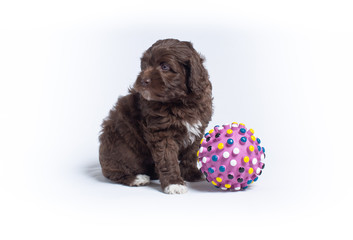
(193, 132)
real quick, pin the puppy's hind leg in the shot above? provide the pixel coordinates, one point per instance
(129, 180)
(122, 165)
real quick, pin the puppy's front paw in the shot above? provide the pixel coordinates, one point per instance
(176, 189)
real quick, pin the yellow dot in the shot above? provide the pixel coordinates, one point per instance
(198, 152)
(246, 159)
(229, 131)
(252, 130)
(253, 138)
(251, 170)
(214, 183)
(203, 139)
(234, 123)
(251, 148)
(219, 179)
(242, 124)
(227, 185)
(220, 146)
(211, 131)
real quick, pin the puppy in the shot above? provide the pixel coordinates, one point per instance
(154, 132)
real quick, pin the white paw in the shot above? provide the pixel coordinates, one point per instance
(140, 180)
(176, 189)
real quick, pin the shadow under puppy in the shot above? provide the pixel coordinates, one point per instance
(154, 131)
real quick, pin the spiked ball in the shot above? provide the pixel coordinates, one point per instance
(231, 157)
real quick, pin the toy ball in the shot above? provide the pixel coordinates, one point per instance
(231, 157)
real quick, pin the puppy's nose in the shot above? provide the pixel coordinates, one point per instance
(145, 81)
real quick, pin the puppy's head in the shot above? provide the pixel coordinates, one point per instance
(171, 70)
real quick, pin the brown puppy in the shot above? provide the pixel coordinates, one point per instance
(155, 131)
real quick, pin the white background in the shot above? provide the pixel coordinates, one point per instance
(282, 67)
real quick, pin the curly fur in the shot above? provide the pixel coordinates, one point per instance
(155, 130)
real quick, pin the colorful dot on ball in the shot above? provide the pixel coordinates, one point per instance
(249, 182)
(242, 124)
(252, 131)
(206, 134)
(243, 140)
(254, 161)
(259, 148)
(245, 187)
(233, 162)
(263, 149)
(222, 168)
(236, 151)
(229, 131)
(226, 154)
(214, 158)
(251, 148)
(227, 185)
(214, 183)
(230, 141)
(209, 148)
(230, 176)
(263, 166)
(208, 139)
(251, 170)
(242, 130)
(211, 170)
(240, 180)
(253, 138)
(258, 170)
(211, 131)
(198, 152)
(219, 179)
(201, 140)
(246, 159)
(204, 159)
(241, 169)
(258, 140)
(217, 135)
(255, 179)
(216, 126)
(220, 146)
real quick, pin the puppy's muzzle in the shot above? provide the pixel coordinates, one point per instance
(145, 81)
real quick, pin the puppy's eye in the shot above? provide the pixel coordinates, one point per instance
(165, 67)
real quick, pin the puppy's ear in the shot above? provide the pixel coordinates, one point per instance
(197, 79)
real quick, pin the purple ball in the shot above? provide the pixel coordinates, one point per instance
(231, 157)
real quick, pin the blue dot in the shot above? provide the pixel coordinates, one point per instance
(245, 187)
(259, 148)
(210, 170)
(256, 179)
(216, 126)
(258, 140)
(222, 168)
(243, 139)
(230, 141)
(243, 130)
(263, 149)
(206, 134)
(249, 181)
(214, 158)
